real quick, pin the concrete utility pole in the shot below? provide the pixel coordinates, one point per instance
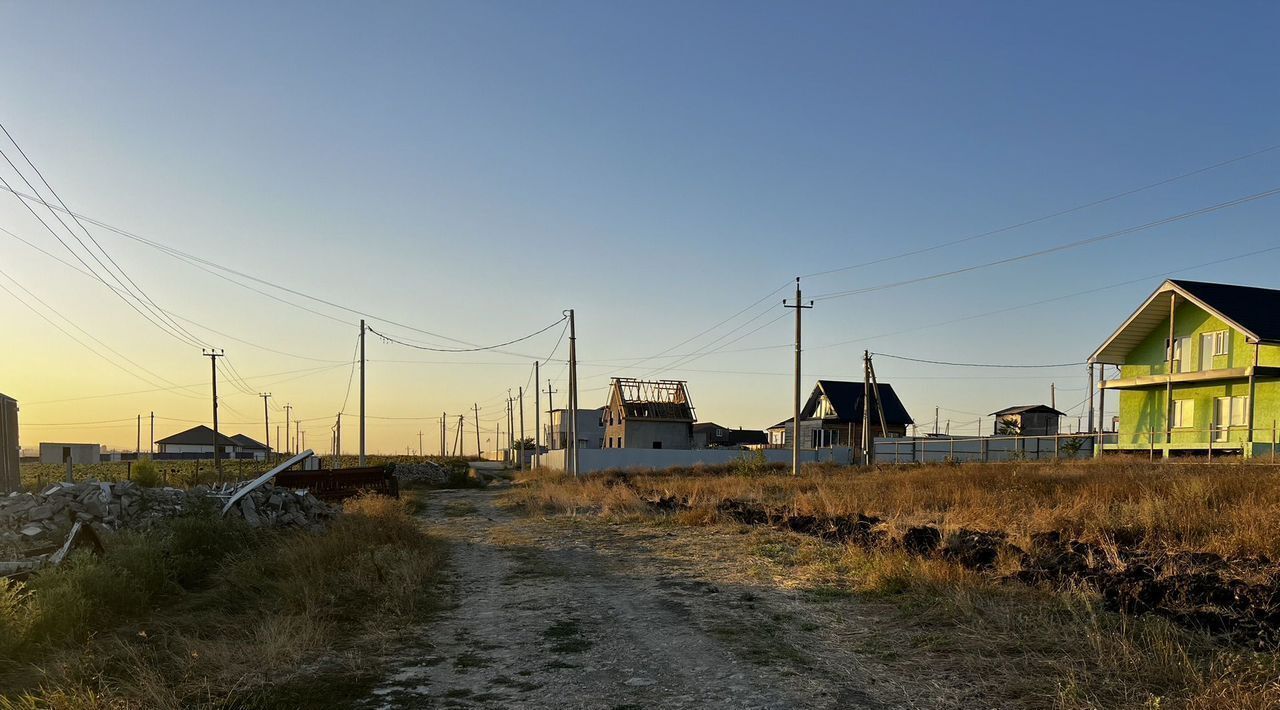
(297, 435)
(935, 420)
(1090, 366)
(443, 417)
(213, 354)
(287, 409)
(137, 451)
(362, 429)
(1053, 395)
(152, 449)
(537, 420)
(266, 418)
(479, 453)
(551, 411)
(573, 394)
(511, 430)
(866, 407)
(800, 306)
(420, 442)
(520, 465)
(337, 437)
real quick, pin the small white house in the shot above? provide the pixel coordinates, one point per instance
(52, 452)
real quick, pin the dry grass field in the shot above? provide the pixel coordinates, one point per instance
(203, 612)
(1053, 646)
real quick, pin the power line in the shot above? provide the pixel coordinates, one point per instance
(390, 339)
(1060, 247)
(1050, 216)
(145, 298)
(973, 364)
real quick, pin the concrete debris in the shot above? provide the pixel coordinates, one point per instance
(427, 472)
(37, 520)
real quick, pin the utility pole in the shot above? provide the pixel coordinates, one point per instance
(935, 420)
(551, 410)
(479, 453)
(297, 436)
(337, 439)
(287, 409)
(420, 442)
(152, 449)
(362, 329)
(137, 451)
(521, 464)
(867, 407)
(443, 417)
(213, 354)
(1053, 395)
(573, 393)
(266, 418)
(302, 440)
(511, 430)
(537, 420)
(795, 402)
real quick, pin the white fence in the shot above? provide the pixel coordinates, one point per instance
(921, 449)
(592, 460)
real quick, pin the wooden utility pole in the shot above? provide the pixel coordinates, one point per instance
(362, 425)
(795, 400)
(213, 354)
(875, 397)
(573, 393)
(537, 420)
(476, 408)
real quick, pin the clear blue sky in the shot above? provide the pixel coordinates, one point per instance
(472, 168)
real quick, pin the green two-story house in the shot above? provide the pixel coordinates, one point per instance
(1199, 370)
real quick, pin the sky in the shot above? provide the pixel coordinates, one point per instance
(472, 169)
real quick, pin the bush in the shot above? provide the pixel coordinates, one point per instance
(145, 473)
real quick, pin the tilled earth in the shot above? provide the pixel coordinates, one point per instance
(573, 613)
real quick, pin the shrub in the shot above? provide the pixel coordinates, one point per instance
(145, 473)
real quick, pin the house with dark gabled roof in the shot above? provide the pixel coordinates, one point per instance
(200, 440)
(832, 416)
(1027, 420)
(1199, 370)
(709, 435)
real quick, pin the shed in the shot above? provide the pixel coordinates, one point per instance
(1027, 420)
(59, 453)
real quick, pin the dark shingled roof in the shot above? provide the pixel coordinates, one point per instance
(247, 443)
(1027, 409)
(1255, 309)
(198, 436)
(846, 398)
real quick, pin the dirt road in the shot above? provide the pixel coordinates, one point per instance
(580, 613)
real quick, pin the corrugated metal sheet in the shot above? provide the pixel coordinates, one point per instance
(10, 474)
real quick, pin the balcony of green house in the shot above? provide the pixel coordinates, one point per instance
(1199, 371)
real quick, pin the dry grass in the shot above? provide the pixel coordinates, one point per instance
(1021, 646)
(261, 616)
(1229, 509)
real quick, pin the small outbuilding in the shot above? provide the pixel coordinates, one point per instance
(1027, 420)
(53, 452)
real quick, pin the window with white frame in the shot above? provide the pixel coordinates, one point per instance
(1184, 413)
(1240, 411)
(1221, 341)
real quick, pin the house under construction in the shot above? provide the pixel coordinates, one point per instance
(648, 414)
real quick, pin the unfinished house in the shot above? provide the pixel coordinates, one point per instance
(648, 414)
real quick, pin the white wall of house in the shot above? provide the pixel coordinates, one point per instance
(592, 460)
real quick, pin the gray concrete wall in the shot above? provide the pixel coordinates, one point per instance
(80, 453)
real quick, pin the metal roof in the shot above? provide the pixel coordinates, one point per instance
(846, 398)
(1026, 409)
(198, 436)
(1251, 310)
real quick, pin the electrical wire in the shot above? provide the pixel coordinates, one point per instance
(1050, 216)
(390, 339)
(1060, 247)
(973, 364)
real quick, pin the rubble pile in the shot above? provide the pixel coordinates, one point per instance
(31, 520)
(427, 473)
